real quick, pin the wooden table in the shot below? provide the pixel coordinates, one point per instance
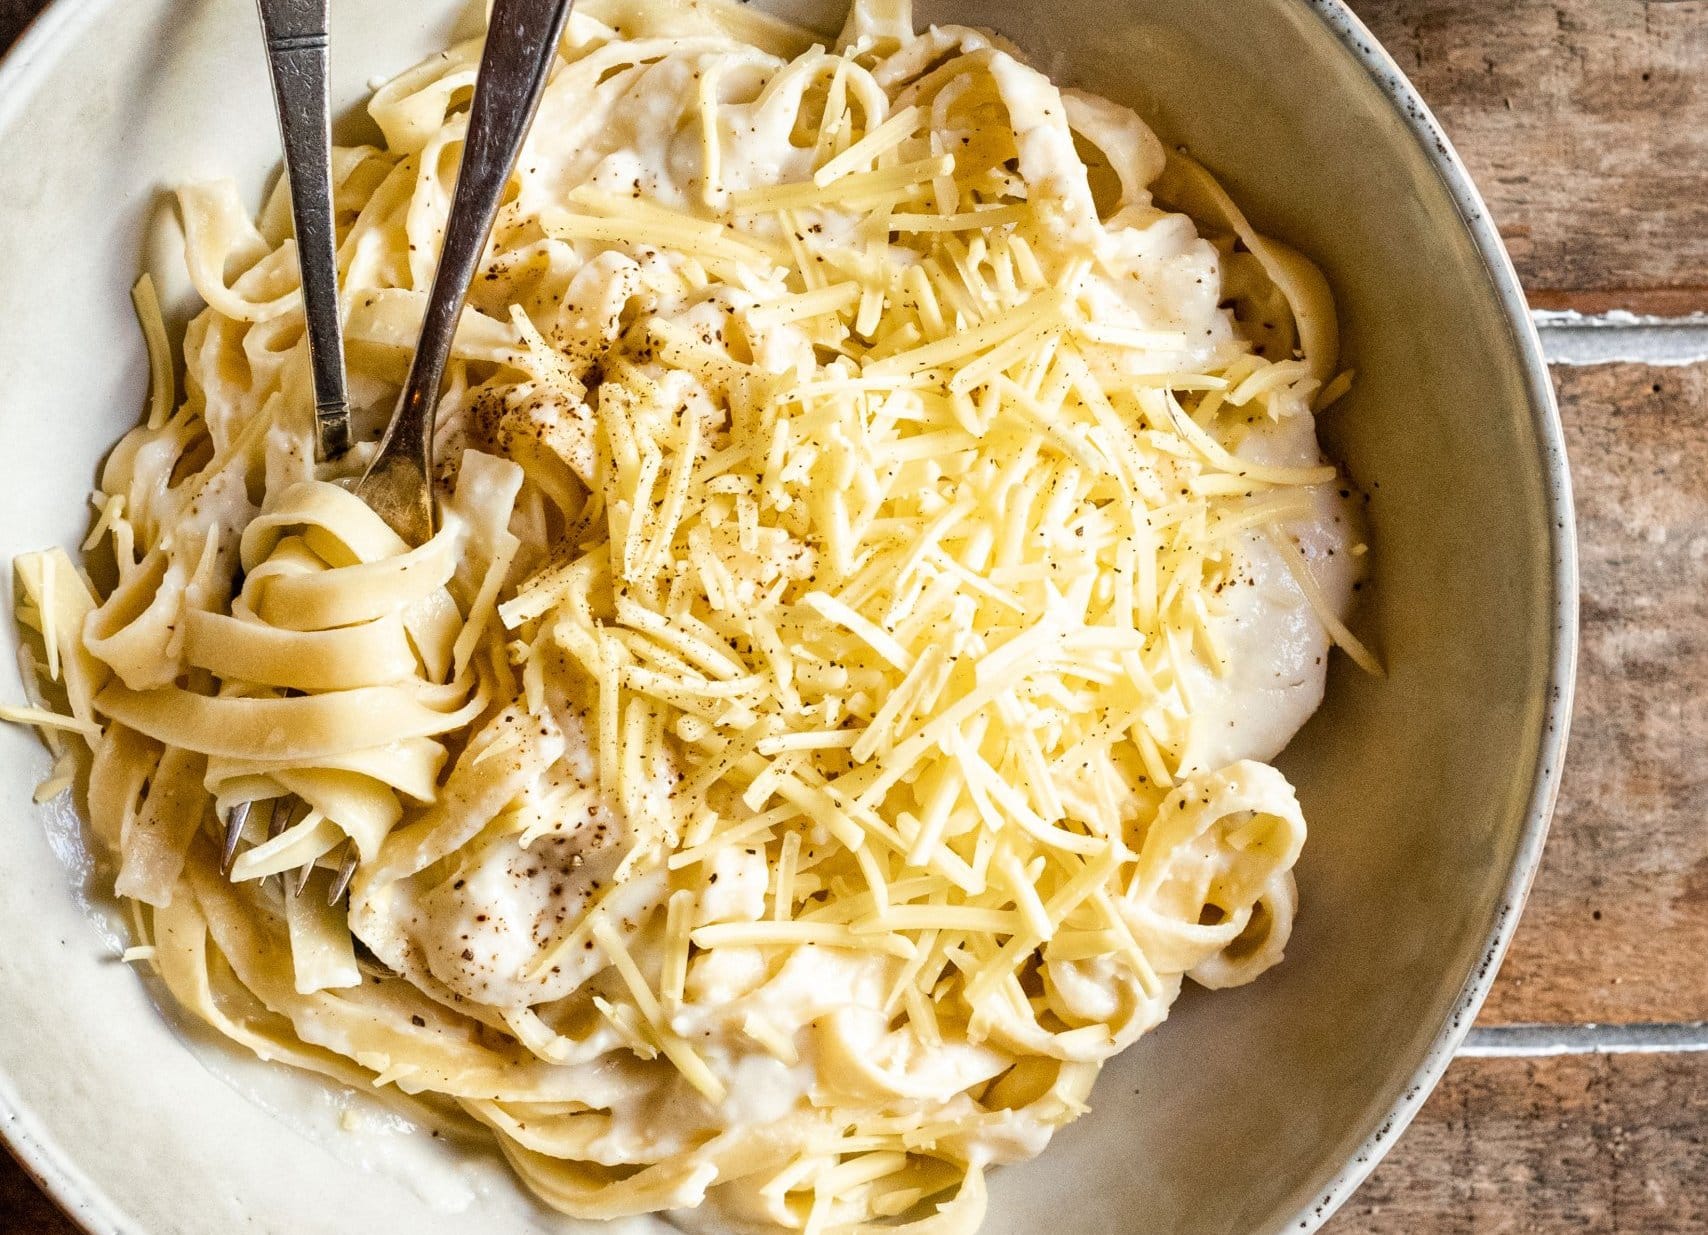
(1582, 1104)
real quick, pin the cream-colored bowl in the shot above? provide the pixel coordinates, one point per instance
(1428, 790)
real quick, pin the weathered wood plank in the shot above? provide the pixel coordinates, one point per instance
(1585, 123)
(14, 16)
(1615, 1144)
(24, 1209)
(1617, 926)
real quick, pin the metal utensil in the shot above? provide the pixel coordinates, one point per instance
(297, 58)
(520, 45)
(297, 55)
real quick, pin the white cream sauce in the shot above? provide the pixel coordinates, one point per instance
(476, 932)
(1277, 649)
(473, 931)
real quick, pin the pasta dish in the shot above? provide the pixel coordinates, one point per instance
(884, 540)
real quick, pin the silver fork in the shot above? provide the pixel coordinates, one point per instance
(297, 58)
(521, 43)
(297, 54)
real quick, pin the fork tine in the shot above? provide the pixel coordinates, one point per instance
(297, 812)
(277, 821)
(235, 818)
(303, 872)
(346, 872)
(275, 824)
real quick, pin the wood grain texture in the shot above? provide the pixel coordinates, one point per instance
(1612, 1144)
(1617, 926)
(14, 16)
(24, 1210)
(1585, 124)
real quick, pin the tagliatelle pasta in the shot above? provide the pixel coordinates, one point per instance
(883, 540)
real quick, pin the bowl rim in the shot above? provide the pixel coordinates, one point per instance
(53, 1169)
(1556, 716)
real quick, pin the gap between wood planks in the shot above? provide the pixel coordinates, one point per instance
(1619, 336)
(1518, 1041)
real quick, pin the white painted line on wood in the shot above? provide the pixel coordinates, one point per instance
(1532, 1041)
(1613, 338)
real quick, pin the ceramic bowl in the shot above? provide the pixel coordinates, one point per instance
(1428, 790)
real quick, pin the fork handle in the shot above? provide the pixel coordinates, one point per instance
(295, 31)
(521, 42)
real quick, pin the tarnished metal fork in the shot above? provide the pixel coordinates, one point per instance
(297, 59)
(521, 42)
(297, 55)
(287, 812)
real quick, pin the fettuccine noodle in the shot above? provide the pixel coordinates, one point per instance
(883, 539)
